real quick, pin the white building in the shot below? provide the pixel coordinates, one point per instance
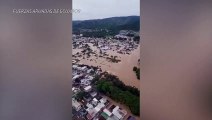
(75, 77)
(107, 112)
(120, 114)
(74, 66)
(105, 48)
(84, 68)
(103, 100)
(90, 106)
(76, 105)
(90, 70)
(93, 94)
(99, 107)
(91, 114)
(88, 88)
(75, 90)
(95, 101)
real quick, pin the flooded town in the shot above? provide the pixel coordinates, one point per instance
(105, 59)
(117, 54)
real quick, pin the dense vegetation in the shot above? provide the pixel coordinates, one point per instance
(96, 33)
(106, 27)
(137, 72)
(112, 87)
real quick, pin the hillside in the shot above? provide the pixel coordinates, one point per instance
(107, 26)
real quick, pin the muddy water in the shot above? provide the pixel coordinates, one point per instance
(123, 69)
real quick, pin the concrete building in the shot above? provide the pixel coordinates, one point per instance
(106, 111)
(91, 114)
(75, 77)
(99, 107)
(88, 88)
(120, 114)
(76, 105)
(84, 68)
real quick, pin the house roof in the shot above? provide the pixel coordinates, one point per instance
(107, 112)
(83, 68)
(103, 100)
(76, 76)
(75, 104)
(99, 107)
(119, 113)
(87, 88)
(91, 113)
(94, 99)
(112, 118)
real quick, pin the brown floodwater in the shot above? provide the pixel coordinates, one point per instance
(123, 69)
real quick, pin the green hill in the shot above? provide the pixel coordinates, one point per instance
(107, 26)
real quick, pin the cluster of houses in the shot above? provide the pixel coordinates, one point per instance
(120, 43)
(91, 105)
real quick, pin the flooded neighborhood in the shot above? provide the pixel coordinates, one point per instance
(114, 55)
(111, 60)
(106, 63)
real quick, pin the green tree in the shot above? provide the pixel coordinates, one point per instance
(79, 95)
